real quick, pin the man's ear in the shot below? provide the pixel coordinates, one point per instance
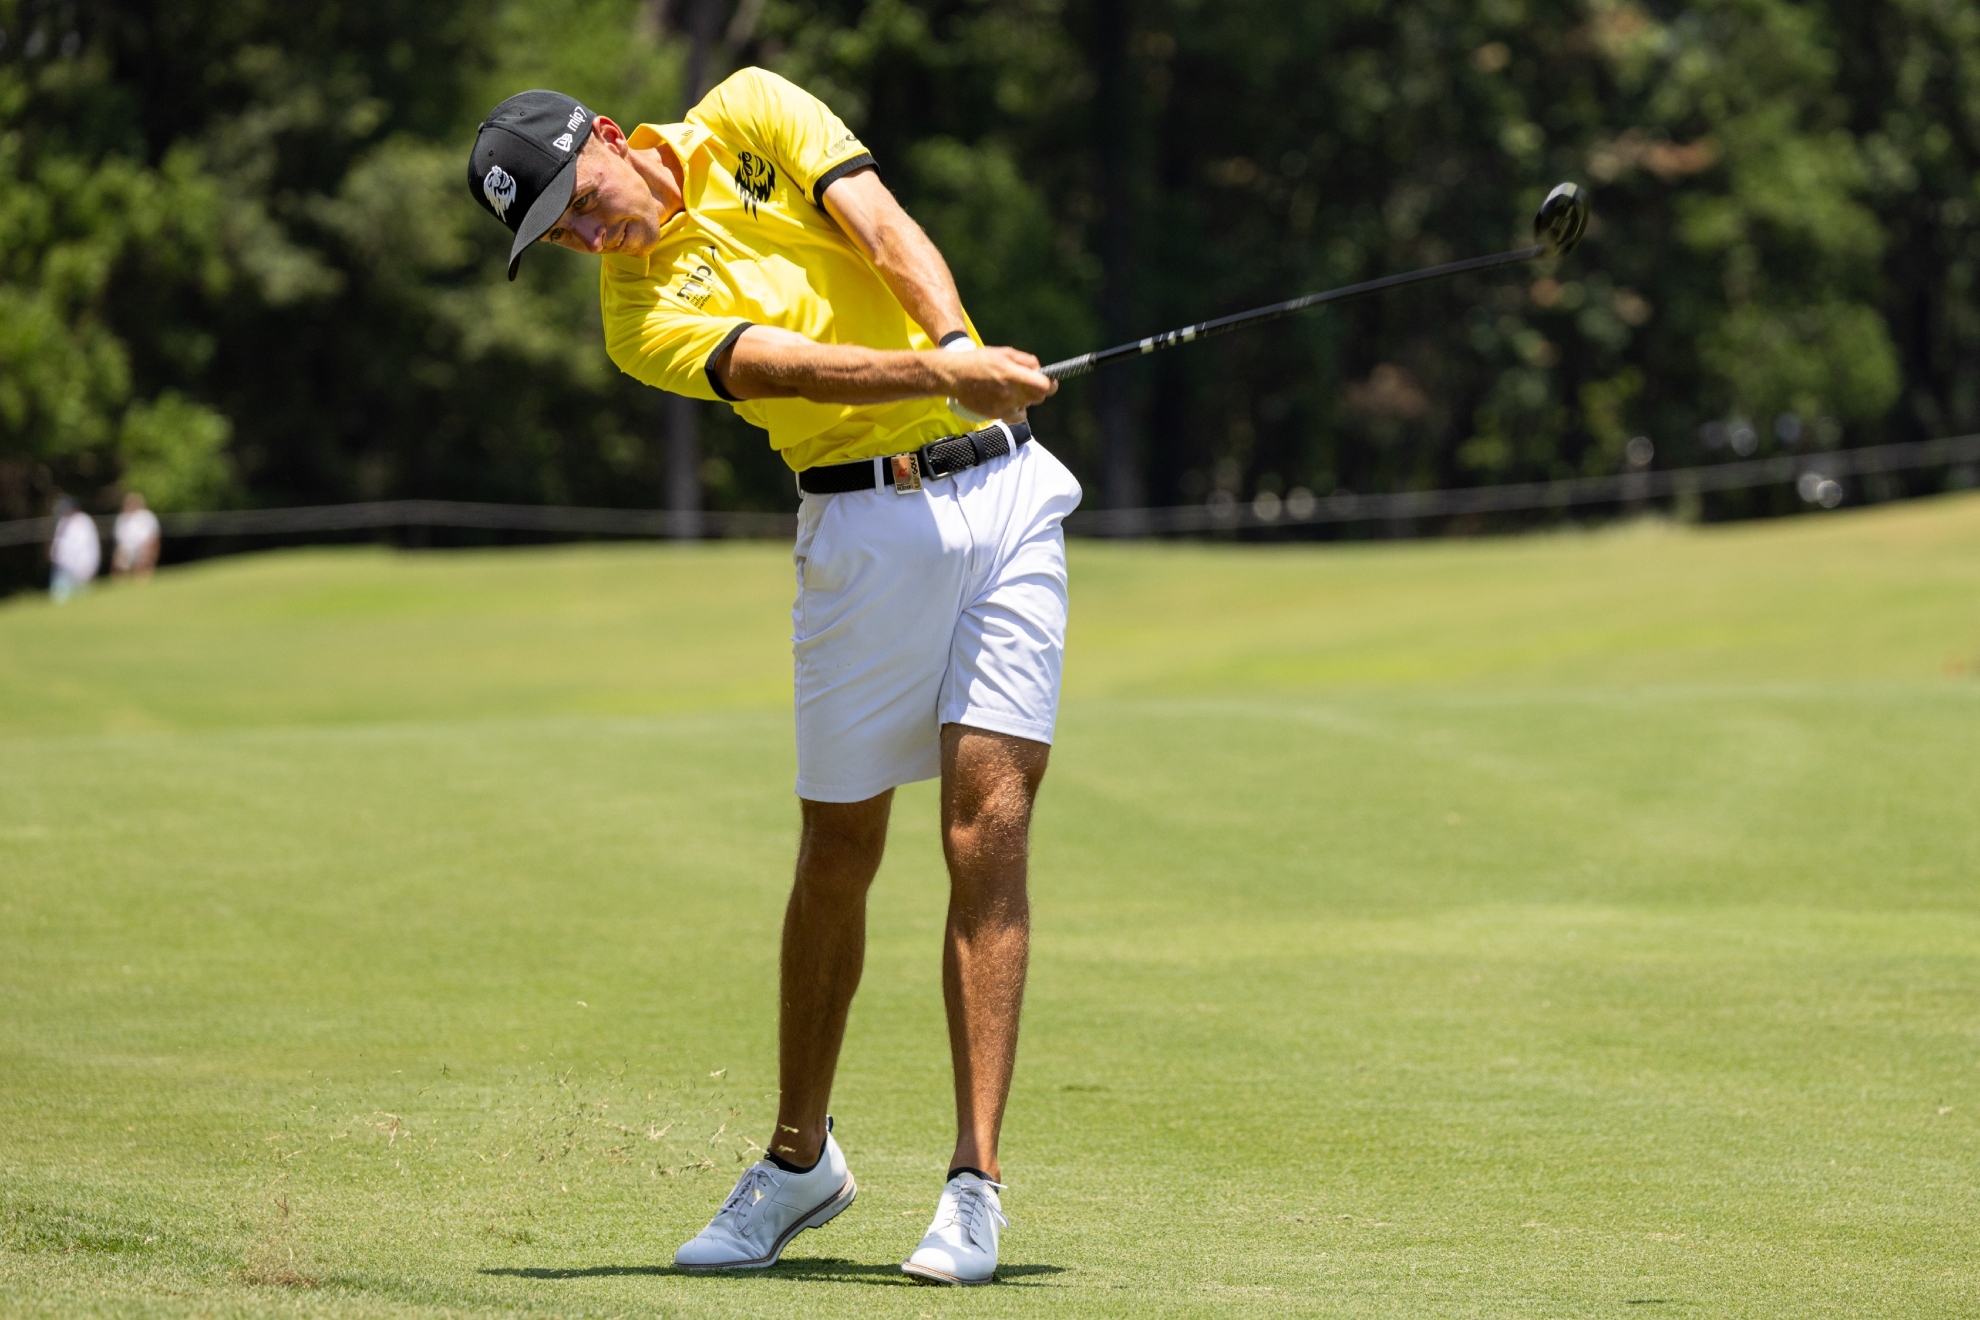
(609, 134)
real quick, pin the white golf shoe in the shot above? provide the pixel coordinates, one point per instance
(961, 1245)
(767, 1209)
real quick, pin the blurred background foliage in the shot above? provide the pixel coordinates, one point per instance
(239, 265)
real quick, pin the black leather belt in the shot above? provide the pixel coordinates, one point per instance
(905, 472)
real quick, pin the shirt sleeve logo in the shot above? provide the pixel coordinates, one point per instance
(499, 189)
(755, 179)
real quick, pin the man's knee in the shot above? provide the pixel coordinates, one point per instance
(991, 783)
(841, 843)
(996, 817)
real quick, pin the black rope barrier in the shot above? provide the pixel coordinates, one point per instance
(1339, 507)
(1620, 488)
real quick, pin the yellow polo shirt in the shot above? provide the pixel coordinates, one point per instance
(755, 246)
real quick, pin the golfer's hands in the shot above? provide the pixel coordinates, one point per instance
(996, 382)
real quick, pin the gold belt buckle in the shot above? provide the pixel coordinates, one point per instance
(907, 473)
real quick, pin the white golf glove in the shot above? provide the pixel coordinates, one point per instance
(962, 344)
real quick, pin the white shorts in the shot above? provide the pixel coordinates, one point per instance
(946, 606)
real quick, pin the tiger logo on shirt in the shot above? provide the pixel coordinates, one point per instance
(756, 178)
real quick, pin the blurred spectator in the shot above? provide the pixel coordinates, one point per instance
(137, 540)
(75, 552)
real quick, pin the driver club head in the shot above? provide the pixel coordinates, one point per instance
(1562, 218)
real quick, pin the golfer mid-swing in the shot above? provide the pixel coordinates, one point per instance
(752, 254)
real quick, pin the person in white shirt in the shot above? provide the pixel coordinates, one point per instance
(138, 540)
(75, 552)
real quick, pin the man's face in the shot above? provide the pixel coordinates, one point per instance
(612, 209)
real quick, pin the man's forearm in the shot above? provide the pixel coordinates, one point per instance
(774, 364)
(913, 268)
(906, 259)
(767, 362)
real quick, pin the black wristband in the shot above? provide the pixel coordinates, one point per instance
(952, 336)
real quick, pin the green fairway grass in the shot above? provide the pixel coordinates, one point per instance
(1572, 925)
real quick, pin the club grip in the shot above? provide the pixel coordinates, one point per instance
(1073, 366)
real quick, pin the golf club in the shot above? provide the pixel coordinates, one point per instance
(1557, 227)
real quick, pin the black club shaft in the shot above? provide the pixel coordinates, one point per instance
(1085, 362)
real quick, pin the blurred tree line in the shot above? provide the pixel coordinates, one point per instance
(239, 265)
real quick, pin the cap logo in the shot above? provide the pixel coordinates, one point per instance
(562, 143)
(500, 190)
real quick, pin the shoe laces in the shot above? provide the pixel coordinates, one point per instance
(973, 1209)
(752, 1188)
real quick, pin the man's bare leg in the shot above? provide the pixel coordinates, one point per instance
(824, 949)
(989, 782)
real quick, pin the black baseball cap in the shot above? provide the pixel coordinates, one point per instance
(524, 163)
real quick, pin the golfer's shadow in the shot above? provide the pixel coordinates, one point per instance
(826, 1269)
